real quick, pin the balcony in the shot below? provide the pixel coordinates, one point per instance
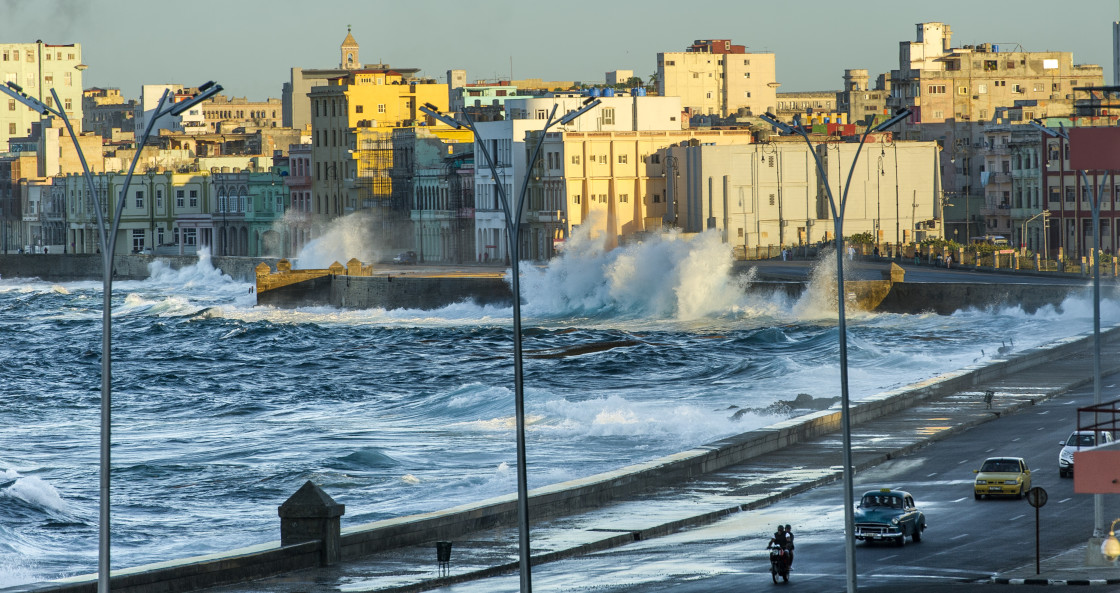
(998, 210)
(999, 178)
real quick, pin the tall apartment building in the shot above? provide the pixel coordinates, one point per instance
(37, 68)
(295, 100)
(714, 77)
(955, 92)
(343, 107)
(106, 113)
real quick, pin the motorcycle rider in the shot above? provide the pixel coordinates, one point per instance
(780, 541)
(788, 532)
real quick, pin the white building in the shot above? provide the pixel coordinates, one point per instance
(505, 141)
(191, 121)
(37, 68)
(770, 194)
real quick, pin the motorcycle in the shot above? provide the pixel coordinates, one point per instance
(779, 563)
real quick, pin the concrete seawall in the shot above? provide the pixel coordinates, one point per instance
(562, 498)
(73, 266)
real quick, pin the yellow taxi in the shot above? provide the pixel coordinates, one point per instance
(1002, 476)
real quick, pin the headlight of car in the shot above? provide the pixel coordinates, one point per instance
(981, 482)
(1067, 456)
(894, 520)
(1013, 482)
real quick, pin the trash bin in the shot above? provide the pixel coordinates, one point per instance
(443, 552)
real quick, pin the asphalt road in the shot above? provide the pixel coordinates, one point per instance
(966, 543)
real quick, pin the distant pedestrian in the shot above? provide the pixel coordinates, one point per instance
(988, 396)
(876, 253)
(948, 261)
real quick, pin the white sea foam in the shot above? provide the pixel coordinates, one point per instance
(32, 490)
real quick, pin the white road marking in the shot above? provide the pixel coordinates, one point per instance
(960, 500)
(1064, 500)
(1017, 517)
(931, 475)
(956, 537)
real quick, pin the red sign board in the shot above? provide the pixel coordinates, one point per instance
(1094, 149)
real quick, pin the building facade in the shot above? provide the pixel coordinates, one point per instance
(37, 68)
(714, 77)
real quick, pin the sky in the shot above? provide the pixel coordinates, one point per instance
(249, 46)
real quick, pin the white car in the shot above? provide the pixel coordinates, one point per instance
(1077, 440)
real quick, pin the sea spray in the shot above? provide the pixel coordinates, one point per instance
(666, 276)
(344, 238)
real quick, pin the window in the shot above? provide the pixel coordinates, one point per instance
(771, 199)
(603, 198)
(139, 198)
(1055, 194)
(667, 63)
(180, 198)
(1071, 194)
(656, 198)
(159, 199)
(936, 89)
(190, 236)
(991, 65)
(746, 75)
(623, 198)
(981, 88)
(575, 159)
(655, 158)
(602, 159)
(608, 116)
(962, 90)
(137, 237)
(359, 108)
(622, 159)
(194, 198)
(381, 108)
(696, 75)
(1015, 88)
(575, 199)
(12, 128)
(68, 104)
(11, 104)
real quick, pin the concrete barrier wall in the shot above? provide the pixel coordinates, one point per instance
(73, 266)
(416, 292)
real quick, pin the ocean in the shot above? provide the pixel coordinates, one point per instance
(222, 409)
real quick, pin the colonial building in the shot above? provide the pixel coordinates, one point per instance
(714, 77)
(955, 92)
(379, 99)
(859, 100)
(37, 68)
(772, 194)
(226, 114)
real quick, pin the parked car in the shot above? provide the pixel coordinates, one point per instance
(1078, 439)
(1002, 476)
(887, 514)
(405, 257)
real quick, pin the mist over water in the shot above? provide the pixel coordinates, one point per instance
(222, 409)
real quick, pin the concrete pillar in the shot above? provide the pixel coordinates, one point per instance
(1037, 262)
(311, 515)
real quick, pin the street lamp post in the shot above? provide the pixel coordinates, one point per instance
(1023, 232)
(838, 226)
(512, 214)
(108, 240)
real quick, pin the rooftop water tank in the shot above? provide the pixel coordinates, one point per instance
(608, 92)
(594, 91)
(995, 49)
(639, 92)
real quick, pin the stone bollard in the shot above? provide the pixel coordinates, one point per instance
(311, 515)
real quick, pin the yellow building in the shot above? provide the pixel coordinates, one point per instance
(613, 180)
(341, 111)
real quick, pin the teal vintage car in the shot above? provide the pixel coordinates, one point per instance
(888, 515)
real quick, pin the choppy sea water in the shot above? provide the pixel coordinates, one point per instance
(222, 409)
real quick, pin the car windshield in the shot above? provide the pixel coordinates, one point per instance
(1000, 466)
(1080, 440)
(879, 500)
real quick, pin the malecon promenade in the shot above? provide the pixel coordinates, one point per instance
(636, 503)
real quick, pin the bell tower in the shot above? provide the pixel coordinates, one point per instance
(349, 53)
